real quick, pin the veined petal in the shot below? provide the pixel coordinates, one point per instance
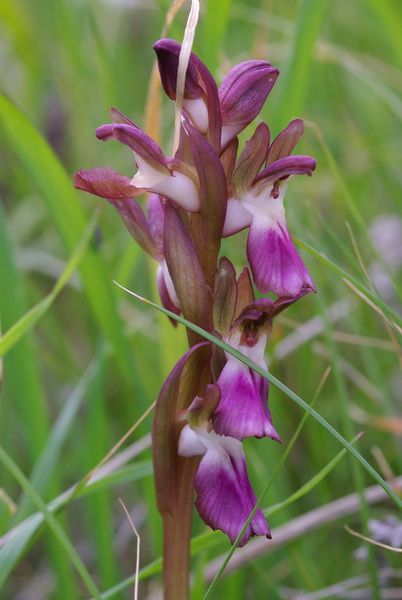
(225, 497)
(243, 408)
(283, 168)
(106, 183)
(243, 93)
(284, 143)
(133, 137)
(251, 159)
(201, 101)
(275, 263)
(168, 52)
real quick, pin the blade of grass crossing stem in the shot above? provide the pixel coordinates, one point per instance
(53, 524)
(214, 26)
(278, 467)
(208, 540)
(25, 323)
(22, 387)
(69, 218)
(289, 99)
(287, 391)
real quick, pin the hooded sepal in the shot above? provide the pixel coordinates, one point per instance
(242, 95)
(250, 161)
(225, 498)
(284, 143)
(107, 184)
(201, 101)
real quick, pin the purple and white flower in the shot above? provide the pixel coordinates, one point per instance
(258, 203)
(225, 498)
(156, 172)
(243, 407)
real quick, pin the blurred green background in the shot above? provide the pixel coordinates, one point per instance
(82, 368)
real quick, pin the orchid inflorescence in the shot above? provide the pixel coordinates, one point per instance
(211, 400)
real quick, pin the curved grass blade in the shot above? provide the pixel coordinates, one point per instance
(287, 391)
(51, 521)
(12, 336)
(69, 218)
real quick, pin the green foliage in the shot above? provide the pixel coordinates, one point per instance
(82, 365)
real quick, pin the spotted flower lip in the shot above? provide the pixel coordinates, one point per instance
(225, 498)
(156, 172)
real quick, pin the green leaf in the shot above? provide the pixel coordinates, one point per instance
(69, 218)
(13, 335)
(52, 523)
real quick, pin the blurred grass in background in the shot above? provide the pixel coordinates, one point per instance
(95, 358)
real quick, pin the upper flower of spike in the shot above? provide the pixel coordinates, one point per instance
(156, 173)
(201, 101)
(258, 203)
(242, 95)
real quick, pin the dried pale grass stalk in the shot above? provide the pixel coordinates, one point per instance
(152, 118)
(182, 69)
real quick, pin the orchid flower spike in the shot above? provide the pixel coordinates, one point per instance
(257, 203)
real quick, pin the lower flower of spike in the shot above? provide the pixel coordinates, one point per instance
(225, 498)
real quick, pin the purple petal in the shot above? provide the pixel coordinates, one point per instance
(156, 220)
(168, 52)
(225, 497)
(138, 141)
(137, 224)
(106, 183)
(275, 263)
(284, 143)
(243, 93)
(201, 101)
(243, 408)
(283, 168)
(250, 161)
(117, 117)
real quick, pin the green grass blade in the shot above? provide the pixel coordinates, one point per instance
(213, 31)
(16, 545)
(51, 521)
(13, 335)
(62, 201)
(287, 391)
(210, 539)
(292, 86)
